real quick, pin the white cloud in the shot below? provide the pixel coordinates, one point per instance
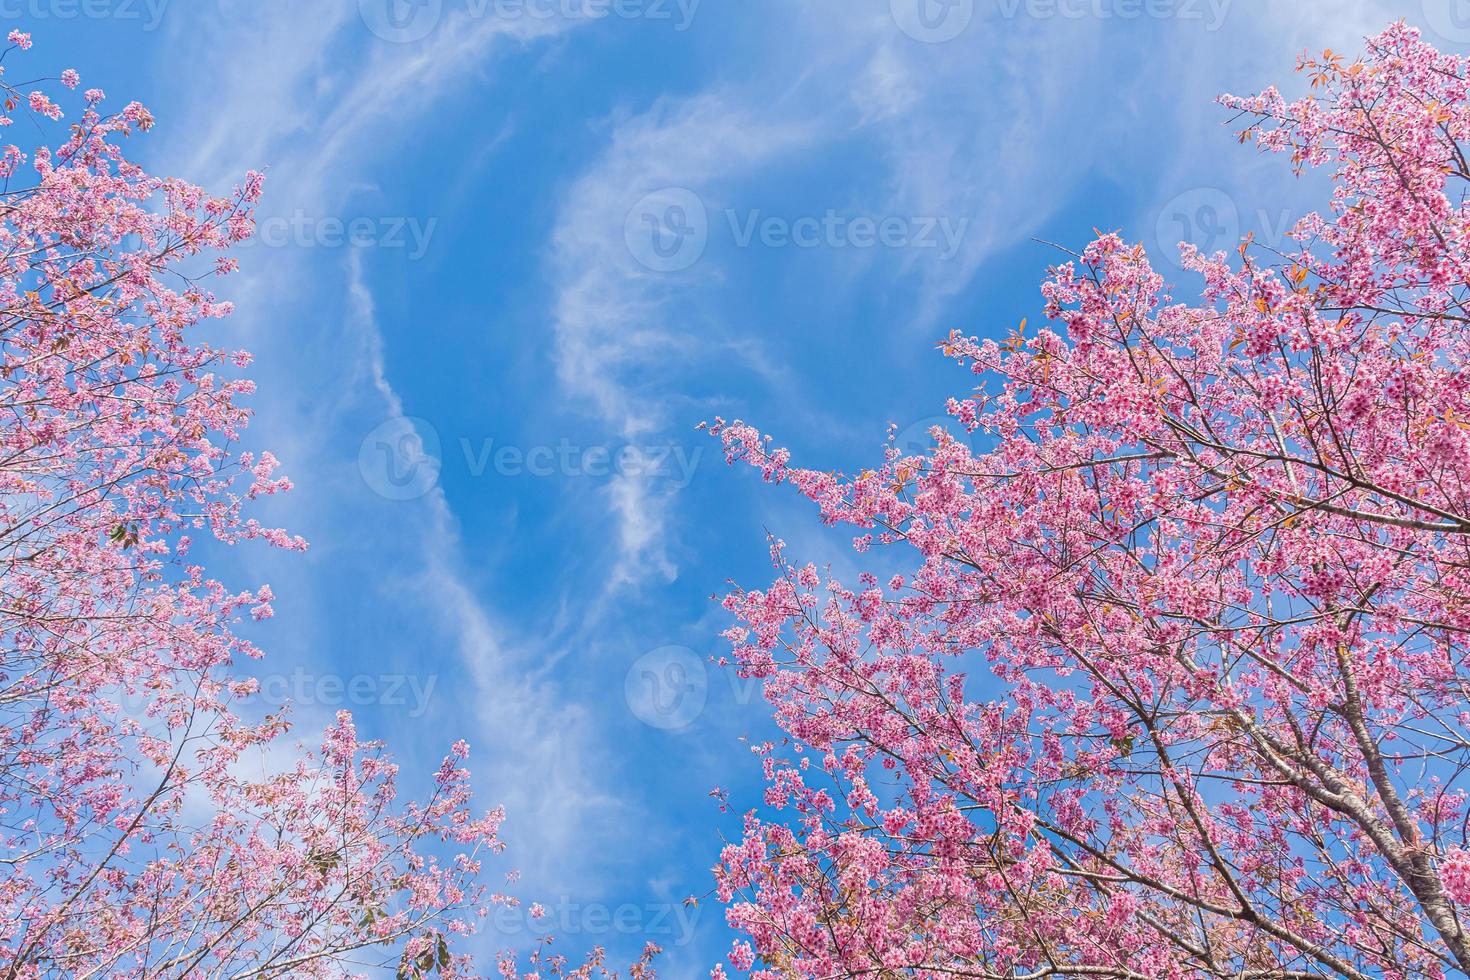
(537, 753)
(992, 131)
(958, 136)
(998, 127)
(309, 93)
(611, 314)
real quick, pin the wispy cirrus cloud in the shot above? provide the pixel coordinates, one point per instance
(789, 111)
(631, 314)
(613, 316)
(311, 94)
(991, 129)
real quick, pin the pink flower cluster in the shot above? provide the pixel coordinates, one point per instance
(133, 840)
(1173, 681)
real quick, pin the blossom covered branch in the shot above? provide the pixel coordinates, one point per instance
(1215, 554)
(131, 841)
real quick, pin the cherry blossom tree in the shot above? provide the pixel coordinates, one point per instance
(134, 839)
(1168, 677)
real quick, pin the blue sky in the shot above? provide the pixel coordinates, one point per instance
(513, 251)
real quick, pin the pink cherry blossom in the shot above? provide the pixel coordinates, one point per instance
(1173, 682)
(139, 834)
